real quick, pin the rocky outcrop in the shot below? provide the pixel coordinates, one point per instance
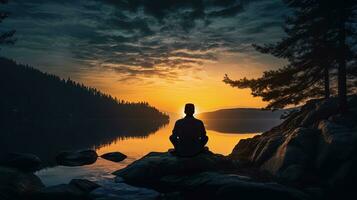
(21, 161)
(313, 146)
(77, 189)
(213, 185)
(155, 165)
(114, 156)
(15, 184)
(77, 158)
(204, 176)
(119, 190)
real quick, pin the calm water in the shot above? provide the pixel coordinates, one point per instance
(133, 138)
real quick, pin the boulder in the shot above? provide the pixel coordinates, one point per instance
(84, 185)
(253, 152)
(77, 189)
(155, 165)
(14, 184)
(203, 176)
(317, 110)
(77, 158)
(120, 190)
(114, 156)
(314, 147)
(295, 155)
(21, 161)
(60, 192)
(213, 185)
(336, 155)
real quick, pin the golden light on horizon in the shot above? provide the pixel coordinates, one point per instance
(159, 142)
(203, 88)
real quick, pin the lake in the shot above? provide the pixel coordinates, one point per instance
(135, 139)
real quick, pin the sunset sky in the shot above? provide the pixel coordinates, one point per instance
(165, 52)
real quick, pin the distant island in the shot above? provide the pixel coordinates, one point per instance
(242, 113)
(29, 94)
(241, 120)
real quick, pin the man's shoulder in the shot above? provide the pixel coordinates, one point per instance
(179, 121)
(183, 120)
(198, 120)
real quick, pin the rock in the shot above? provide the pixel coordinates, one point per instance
(122, 191)
(21, 161)
(213, 185)
(319, 110)
(253, 152)
(199, 177)
(314, 147)
(155, 165)
(77, 189)
(15, 184)
(79, 158)
(60, 192)
(294, 155)
(336, 155)
(258, 191)
(114, 156)
(337, 145)
(84, 185)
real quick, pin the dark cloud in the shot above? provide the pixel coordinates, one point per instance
(142, 38)
(227, 12)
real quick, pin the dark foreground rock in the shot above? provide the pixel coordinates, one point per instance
(119, 190)
(77, 189)
(77, 158)
(213, 185)
(21, 161)
(114, 156)
(15, 184)
(155, 165)
(201, 177)
(315, 146)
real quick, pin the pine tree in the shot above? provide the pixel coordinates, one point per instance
(312, 51)
(343, 31)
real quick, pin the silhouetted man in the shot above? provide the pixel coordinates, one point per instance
(189, 134)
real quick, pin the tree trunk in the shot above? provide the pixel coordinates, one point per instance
(327, 83)
(342, 86)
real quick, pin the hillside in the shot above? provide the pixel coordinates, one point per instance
(29, 94)
(242, 113)
(241, 120)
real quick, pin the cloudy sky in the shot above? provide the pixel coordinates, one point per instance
(166, 52)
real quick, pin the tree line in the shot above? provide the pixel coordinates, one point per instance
(27, 93)
(320, 47)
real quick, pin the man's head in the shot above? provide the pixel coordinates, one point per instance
(189, 109)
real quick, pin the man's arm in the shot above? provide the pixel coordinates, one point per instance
(202, 130)
(176, 129)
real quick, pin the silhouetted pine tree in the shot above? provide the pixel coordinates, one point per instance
(343, 31)
(5, 37)
(312, 50)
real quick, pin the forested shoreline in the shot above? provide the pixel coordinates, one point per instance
(29, 94)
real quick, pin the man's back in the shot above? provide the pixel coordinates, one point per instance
(189, 128)
(189, 134)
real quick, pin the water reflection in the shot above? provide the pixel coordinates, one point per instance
(135, 148)
(241, 125)
(47, 138)
(131, 137)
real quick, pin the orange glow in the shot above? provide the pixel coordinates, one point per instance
(137, 147)
(203, 88)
